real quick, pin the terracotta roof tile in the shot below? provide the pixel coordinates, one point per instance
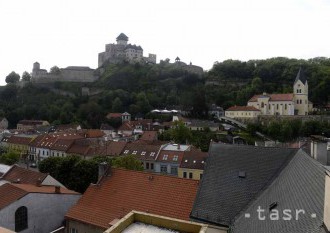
(24, 175)
(194, 159)
(170, 156)
(30, 188)
(127, 190)
(273, 97)
(114, 115)
(10, 193)
(242, 108)
(19, 140)
(149, 136)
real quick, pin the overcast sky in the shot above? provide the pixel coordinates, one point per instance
(73, 32)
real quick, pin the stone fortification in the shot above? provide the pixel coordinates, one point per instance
(69, 74)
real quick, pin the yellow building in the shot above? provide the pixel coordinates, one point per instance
(192, 164)
(19, 144)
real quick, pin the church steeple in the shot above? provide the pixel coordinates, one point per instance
(301, 76)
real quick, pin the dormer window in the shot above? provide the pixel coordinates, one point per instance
(165, 157)
(175, 158)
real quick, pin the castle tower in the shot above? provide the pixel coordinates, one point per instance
(122, 39)
(300, 91)
(36, 66)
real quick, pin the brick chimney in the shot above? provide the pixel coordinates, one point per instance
(104, 169)
(38, 183)
(57, 189)
(326, 215)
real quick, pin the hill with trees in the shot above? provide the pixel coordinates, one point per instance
(139, 88)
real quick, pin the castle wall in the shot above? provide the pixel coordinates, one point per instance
(77, 74)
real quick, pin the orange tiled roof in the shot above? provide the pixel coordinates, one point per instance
(127, 190)
(115, 148)
(19, 140)
(10, 193)
(24, 175)
(242, 108)
(194, 159)
(149, 136)
(114, 115)
(273, 97)
(172, 156)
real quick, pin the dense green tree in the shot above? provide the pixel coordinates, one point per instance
(180, 133)
(26, 76)
(129, 162)
(12, 78)
(10, 157)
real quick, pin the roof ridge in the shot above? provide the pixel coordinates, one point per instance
(269, 184)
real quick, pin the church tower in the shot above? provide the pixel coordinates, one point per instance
(300, 91)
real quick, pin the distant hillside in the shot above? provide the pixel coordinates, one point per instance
(140, 88)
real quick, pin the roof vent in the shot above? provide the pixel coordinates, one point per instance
(241, 174)
(273, 205)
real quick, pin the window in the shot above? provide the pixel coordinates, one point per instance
(262, 104)
(152, 154)
(277, 106)
(147, 165)
(200, 176)
(184, 174)
(143, 153)
(174, 170)
(165, 157)
(285, 106)
(175, 158)
(151, 166)
(73, 230)
(297, 101)
(21, 219)
(190, 175)
(300, 101)
(126, 151)
(163, 168)
(134, 152)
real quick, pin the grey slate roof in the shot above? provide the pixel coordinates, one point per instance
(222, 194)
(122, 36)
(300, 186)
(301, 76)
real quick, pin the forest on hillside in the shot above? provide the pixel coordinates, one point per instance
(139, 88)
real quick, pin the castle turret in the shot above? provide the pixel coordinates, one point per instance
(300, 91)
(36, 66)
(122, 39)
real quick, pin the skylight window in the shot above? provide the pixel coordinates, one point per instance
(175, 158)
(186, 161)
(165, 157)
(152, 154)
(143, 153)
(241, 174)
(134, 152)
(126, 151)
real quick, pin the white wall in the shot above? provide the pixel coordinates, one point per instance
(45, 211)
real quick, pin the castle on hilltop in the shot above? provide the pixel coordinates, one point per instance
(115, 53)
(69, 74)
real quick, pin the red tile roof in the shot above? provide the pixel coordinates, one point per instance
(172, 156)
(127, 190)
(142, 151)
(115, 148)
(149, 136)
(114, 115)
(194, 159)
(25, 176)
(91, 133)
(19, 140)
(10, 193)
(242, 108)
(62, 144)
(273, 97)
